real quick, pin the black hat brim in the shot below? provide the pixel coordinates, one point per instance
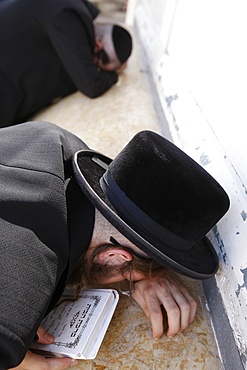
(199, 262)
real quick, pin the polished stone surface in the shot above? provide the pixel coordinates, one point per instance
(106, 124)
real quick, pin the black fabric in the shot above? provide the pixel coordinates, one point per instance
(199, 262)
(46, 224)
(46, 52)
(185, 198)
(152, 178)
(140, 220)
(122, 43)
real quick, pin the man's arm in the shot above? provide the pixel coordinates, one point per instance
(71, 35)
(166, 290)
(27, 279)
(34, 243)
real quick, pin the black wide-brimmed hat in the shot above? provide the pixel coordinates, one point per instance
(159, 198)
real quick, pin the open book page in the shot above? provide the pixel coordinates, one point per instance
(79, 327)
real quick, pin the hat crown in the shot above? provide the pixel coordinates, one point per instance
(168, 186)
(122, 42)
(159, 198)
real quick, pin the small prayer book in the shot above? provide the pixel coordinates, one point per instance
(78, 326)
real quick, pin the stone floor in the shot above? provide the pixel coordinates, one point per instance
(106, 124)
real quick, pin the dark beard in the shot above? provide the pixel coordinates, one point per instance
(98, 273)
(92, 274)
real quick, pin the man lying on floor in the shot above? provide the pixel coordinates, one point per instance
(53, 48)
(72, 215)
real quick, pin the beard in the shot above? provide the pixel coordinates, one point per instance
(98, 274)
(91, 274)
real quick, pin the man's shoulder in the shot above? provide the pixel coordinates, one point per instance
(30, 127)
(35, 132)
(52, 7)
(37, 145)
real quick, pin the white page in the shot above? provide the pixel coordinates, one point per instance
(80, 325)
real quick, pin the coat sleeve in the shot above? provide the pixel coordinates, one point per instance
(35, 166)
(27, 280)
(71, 32)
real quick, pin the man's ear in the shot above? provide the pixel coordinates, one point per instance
(98, 45)
(114, 256)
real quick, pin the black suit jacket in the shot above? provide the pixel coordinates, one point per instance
(46, 224)
(46, 52)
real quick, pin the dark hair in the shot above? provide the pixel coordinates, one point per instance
(122, 42)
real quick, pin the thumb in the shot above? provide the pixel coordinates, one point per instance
(44, 336)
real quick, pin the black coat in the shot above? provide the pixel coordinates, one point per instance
(46, 51)
(46, 224)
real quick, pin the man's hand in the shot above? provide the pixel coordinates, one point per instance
(166, 290)
(36, 362)
(121, 68)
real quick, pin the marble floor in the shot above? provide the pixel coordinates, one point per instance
(106, 124)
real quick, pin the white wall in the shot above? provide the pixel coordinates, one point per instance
(196, 53)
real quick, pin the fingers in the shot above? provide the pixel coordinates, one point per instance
(151, 307)
(179, 305)
(59, 363)
(36, 362)
(122, 68)
(178, 312)
(193, 305)
(44, 337)
(156, 317)
(166, 290)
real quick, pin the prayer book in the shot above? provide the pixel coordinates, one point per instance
(79, 326)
